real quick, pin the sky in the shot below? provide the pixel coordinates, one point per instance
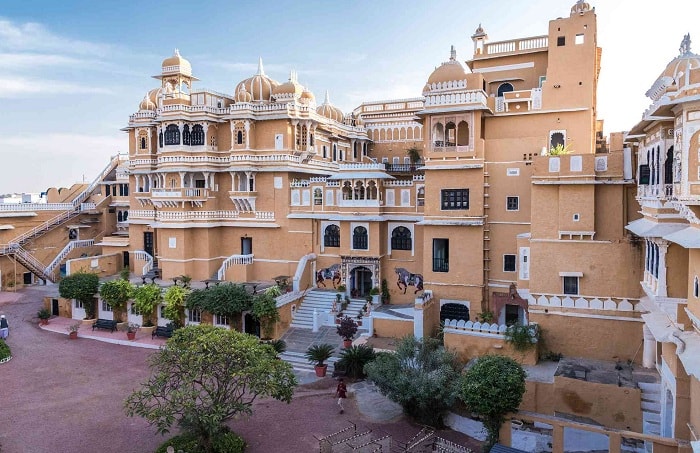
(72, 72)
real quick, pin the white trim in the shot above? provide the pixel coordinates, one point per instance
(391, 226)
(506, 67)
(555, 311)
(571, 274)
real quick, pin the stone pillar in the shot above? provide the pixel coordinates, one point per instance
(505, 435)
(182, 179)
(181, 127)
(247, 134)
(206, 179)
(233, 134)
(649, 355)
(308, 135)
(316, 323)
(661, 288)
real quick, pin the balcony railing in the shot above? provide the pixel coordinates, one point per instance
(403, 168)
(441, 265)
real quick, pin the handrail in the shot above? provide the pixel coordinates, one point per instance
(300, 270)
(66, 250)
(231, 260)
(31, 263)
(144, 256)
(113, 162)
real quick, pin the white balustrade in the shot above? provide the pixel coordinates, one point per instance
(141, 255)
(534, 43)
(264, 215)
(397, 183)
(35, 207)
(461, 97)
(359, 166)
(233, 260)
(66, 250)
(476, 327)
(585, 302)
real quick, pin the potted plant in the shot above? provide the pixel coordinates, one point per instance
(130, 328)
(82, 287)
(347, 329)
(116, 293)
(44, 314)
(73, 330)
(385, 291)
(318, 354)
(341, 288)
(374, 293)
(146, 299)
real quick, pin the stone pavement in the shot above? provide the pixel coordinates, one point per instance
(299, 340)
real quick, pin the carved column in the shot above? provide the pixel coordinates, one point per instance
(206, 179)
(246, 125)
(180, 126)
(649, 355)
(661, 288)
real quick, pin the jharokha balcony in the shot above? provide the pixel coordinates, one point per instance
(174, 197)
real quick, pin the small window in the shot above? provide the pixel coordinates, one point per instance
(512, 203)
(452, 199)
(579, 39)
(696, 288)
(106, 307)
(576, 217)
(401, 239)
(508, 263)
(644, 174)
(441, 255)
(221, 320)
(571, 285)
(561, 41)
(360, 238)
(199, 183)
(194, 316)
(331, 237)
(542, 80)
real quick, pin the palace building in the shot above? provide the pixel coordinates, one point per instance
(491, 198)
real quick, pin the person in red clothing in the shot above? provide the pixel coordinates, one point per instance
(341, 392)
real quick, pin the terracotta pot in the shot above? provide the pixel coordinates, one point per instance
(347, 343)
(44, 322)
(320, 370)
(131, 335)
(72, 335)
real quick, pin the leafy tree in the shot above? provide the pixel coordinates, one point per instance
(205, 376)
(174, 307)
(226, 299)
(265, 310)
(493, 387)
(116, 293)
(146, 299)
(82, 287)
(421, 376)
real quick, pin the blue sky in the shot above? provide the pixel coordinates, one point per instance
(71, 72)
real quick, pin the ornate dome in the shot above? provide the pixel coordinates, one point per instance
(677, 72)
(147, 103)
(306, 94)
(450, 71)
(479, 32)
(259, 86)
(580, 7)
(154, 94)
(289, 88)
(176, 64)
(330, 111)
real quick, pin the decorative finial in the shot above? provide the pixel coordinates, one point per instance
(453, 53)
(685, 45)
(261, 71)
(177, 52)
(328, 99)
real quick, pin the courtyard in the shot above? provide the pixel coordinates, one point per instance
(67, 395)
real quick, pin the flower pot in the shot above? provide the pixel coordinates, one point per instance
(72, 335)
(131, 335)
(320, 370)
(347, 343)
(147, 330)
(44, 322)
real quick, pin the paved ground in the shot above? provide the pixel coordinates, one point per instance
(61, 395)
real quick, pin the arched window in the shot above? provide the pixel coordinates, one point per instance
(359, 191)
(143, 142)
(504, 88)
(439, 135)
(463, 134)
(359, 238)
(331, 237)
(347, 191)
(197, 138)
(172, 135)
(318, 196)
(125, 216)
(450, 134)
(119, 216)
(239, 138)
(372, 190)
(696, 287)
(186, 136)
(557, 138)
(401, 239)
(160, 139)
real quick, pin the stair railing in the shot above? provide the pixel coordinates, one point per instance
(144, 256)
(66, 250)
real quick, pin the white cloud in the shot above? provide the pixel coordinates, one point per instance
(16, 87)
(35, 163)
(33, 60)
(31, 36)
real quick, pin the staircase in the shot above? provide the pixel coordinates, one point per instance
(322, 301)
(27, 260)
(651, 407)
(66, 250)
(300, 363)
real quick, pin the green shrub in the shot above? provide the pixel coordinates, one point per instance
(4, 350)
(184, 442)
(229, 442)
(354, 359)
(522, 337)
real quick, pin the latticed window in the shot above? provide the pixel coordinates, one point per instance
(194, 315)
(172, 135)
(454, 199)
(331, 237)
(304, 131)
(401, 239)
(197, 138)
(359, 238)
(186, 135)
(239, 137)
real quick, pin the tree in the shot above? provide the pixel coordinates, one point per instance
(146, 299)
(226, 299)
(413, 154)
(265, 310)
(493, 387)
(82, 287)
(421, 376)
(205, 376)
(174, 307)
(116, 293)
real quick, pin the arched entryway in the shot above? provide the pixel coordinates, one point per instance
(360, 281)
(251, 325)
(454, 311)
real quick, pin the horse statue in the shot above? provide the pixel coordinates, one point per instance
(332, 273)
(407, 279)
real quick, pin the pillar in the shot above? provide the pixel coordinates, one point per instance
(206, 179)
(649, 355)
(180, 127)
(247, 134)
(182, 179)
(661, 288)
(233, 134)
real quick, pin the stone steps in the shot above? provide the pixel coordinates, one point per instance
(300, 363)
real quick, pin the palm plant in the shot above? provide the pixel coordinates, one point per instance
(354, 359)
(319, 353)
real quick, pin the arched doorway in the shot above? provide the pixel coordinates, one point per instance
(251, 325)
(454, 311)
(360, 281)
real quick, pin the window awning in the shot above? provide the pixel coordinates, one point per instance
(646, 228)
(687, 237)
(571, 274)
